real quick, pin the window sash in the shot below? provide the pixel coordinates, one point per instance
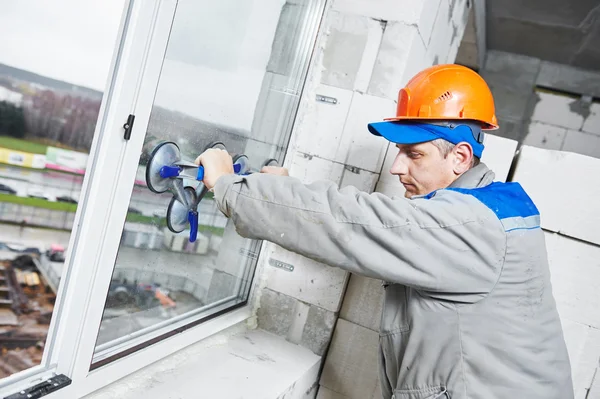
(131, 86)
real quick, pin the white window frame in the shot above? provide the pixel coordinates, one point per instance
(135, 70)
(94, 243)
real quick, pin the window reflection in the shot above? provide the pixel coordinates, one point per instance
(51, 84)
(233, 73)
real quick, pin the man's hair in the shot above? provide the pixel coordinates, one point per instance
(446, 148)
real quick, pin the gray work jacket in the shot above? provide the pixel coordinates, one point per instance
(469, 310)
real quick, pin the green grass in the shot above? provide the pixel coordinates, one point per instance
(137, 218)
(38, 203)
(67, 207)
(15, 144)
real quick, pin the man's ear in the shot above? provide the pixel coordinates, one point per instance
(463, 158)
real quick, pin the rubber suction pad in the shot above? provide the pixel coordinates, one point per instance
(271, 162)
(177, 213)
(164, 154)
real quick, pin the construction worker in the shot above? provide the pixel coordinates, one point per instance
(469, 310)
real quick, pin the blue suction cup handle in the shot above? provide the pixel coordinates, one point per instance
(237, 168)
(200, 174)
(193, 219)
(169, 171)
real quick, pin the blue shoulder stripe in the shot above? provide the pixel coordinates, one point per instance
(509, 202)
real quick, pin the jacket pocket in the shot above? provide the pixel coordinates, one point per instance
(424, 393)
(394, 318)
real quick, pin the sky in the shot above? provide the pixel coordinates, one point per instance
(215, 61)
(69, 40)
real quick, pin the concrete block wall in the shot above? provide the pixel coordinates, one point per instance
(366, 52)
(573, 243)
(544, 104)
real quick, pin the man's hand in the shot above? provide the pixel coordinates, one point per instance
(274, 170)
(216, 163)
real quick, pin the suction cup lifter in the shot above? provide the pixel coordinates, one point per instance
(165, 172)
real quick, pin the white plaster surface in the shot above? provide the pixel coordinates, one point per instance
(252, 365)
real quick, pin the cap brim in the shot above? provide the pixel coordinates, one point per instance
(402, 133)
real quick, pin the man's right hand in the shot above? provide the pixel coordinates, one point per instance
(274, 170)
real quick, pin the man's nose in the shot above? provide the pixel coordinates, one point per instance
(399, 166)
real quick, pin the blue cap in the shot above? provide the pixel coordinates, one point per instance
(415, 133)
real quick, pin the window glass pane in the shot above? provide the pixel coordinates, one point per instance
(233, 72)
(54, 60)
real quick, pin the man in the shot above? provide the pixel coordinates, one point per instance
(469, 310)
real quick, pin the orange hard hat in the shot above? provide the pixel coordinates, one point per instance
(447, 93)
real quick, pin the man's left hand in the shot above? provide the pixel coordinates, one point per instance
(216, 163)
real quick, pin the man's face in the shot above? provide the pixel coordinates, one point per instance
(422, 169)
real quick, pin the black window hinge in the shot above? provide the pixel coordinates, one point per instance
(42, 389)
(128, 126)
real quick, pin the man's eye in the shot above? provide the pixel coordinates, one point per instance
(414, 155)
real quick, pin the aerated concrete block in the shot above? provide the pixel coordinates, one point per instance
(582, 143)
(358, 146)
(347, 37)
(514, 71)
(569, 79)
(276, 312)
(385, 175)
(541, 172)
(391, 189)
(594, 390)
(351, 364)
(309, 281)
(363, 180)
(546, 136)
(441, 36)
(300, 323)
(363, 302)
(318, 329)
(410, 12)
(558, 110)
(309, 168)
(583, 345)
(575, 270)
(498, 155)
(592, 122)
(338, 132)
(322, 128)
(401, 46)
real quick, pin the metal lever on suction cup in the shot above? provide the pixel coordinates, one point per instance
(169, 171)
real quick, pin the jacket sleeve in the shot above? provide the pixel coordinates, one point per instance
(451, 245)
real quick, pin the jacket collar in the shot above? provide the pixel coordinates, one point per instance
(479, 176)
